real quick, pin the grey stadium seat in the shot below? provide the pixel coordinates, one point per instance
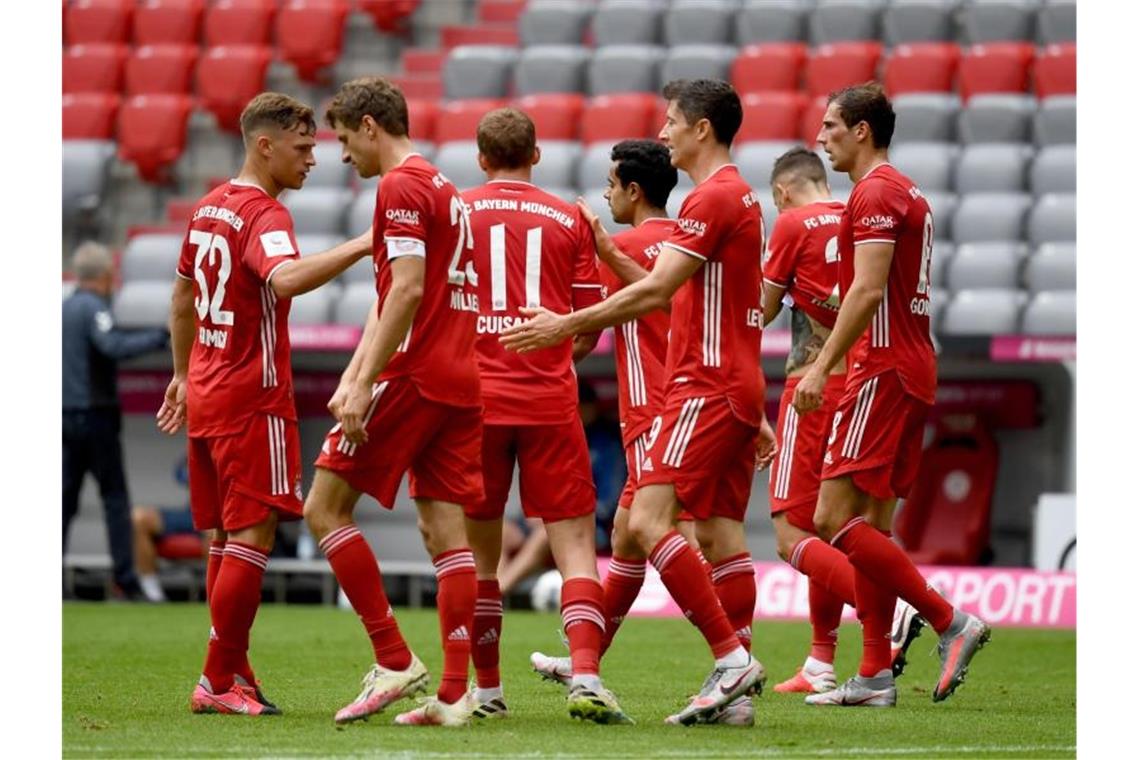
(551, 68)
(627, 22)
(558, 163)
(314, 307)
(982, 217)
(625, 68)
(755, 159)
(837, 180)
(1055, 122)
(676, 198)
(310, 244)
(992, 168)
(330, 171)
(1006, 21)
(595, 165)
(697, 62)
(943, 205)
(927, 117)
(1052, 312)
(918, 21)
(1053, 219)
(1054, 170)
(929, 165)
(983, 312)
(595, 196)
(986, 265)
(84, 174)
(1057, 22)
(840, 20)
(1053, 266)
(151, 257)
(459, 162)
(144, 303)
(478, 71)
(361, 210)
(699, 22)
(997, 118)
(939, 297)
(361, 271)
(554, 22)
(940, 259)
(355, 300)
(319, 210)
(771, 21)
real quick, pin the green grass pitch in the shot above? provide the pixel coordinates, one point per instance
(128, 671)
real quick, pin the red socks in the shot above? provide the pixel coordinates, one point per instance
(584, 622)
(690, 587)
(455, 573)
(233, 606)
(875, 606)
(356, 571)
(832, 584)
(620, 589)
(734, 581)
(825, 610)
(213, 565)
(485, 633)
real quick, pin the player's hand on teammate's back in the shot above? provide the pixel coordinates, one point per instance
(542, 330)
(809, 392)
(172, 414)
(765, 445)
(353, 410)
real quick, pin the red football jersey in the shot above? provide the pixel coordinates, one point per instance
(531, 249)
(886, 207)
(640, 344)
(419, 213)
(714, 343)
(803, 258)
(239, 364)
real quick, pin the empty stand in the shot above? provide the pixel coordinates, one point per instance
(1055, 70)
(985, 168)
(929, 117)
(360, 212)
(310, 34)
(420, 86)
(551, 68)
(90, 116)
(152, 132)
(771, 21)
(812, 119)
(479, 71)
(625, 68)
(1051, 313)
(84, 174)
(308, 244)
(168, 22)
(1055, 122)
(627, 22)
(1054, 170)
(481, 34)
(556, 116)
(929, 164)
(772, 116)
(997, 118)
(1053, 266)
(392, 15)
(921, 67)
(318, 210)
(151, 257)
(553, 22)
(986, 265)
(228, 77)
(158, 69)
(835, 66)
(940, 258)
(329, 171)
(499, 11)
(557, 166)
(609, 118)
(594, 166)
(239, 22)
(459, 163)
(354, 302)
(697, 62)
(995, 67)
(982, 217)
(363, 270)
(943, 205)
(769, 66)
(314, 307)
(988, 311)
(699, 22)
(93, 68)
(1057, 22)
(458, 119)
(145, 303)
(918, 21)
(756, 159)
(999, 21)
(844, 21)
(422, 119)
(1053, 219)
(95, 21)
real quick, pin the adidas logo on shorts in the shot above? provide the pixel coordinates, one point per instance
(647, 465)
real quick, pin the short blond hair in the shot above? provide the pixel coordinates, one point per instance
(274, 109)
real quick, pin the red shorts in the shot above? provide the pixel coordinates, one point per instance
(801, 440)
(706, 453)
(235, 480)
(876, 437)
(438, 443)
(634, 453)
(555, 479)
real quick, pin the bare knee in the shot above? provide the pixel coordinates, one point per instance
(624, 543)
(145, 521)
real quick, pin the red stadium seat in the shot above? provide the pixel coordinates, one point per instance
(921, 67)
(388, 15)
(609, 118)
(156, 69)
(178, 210)
(499, 11)
(416, 60)
(90, 115)
(1055, 70)
(168, 22)
(93, 68)
(181, 546)
(479, 34)
(995, 67)
(767, 67)
(228, 77)
(423, 86)
(555, 115)
(812, 120)
(152, 133)
(90, 21)
(422, 115)
(772, 116)
(239, 22)
(310, 34)
(841, 64)
(458, 119)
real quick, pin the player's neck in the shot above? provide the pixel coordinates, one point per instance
(808, 196)
(641, 213)
(866, 162)
(708, 162)
(393, 152)
(510, 175)
(252, 174)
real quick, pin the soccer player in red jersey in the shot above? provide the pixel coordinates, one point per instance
(886, 235)
(704, 453)
(233, 384)
(409, 400)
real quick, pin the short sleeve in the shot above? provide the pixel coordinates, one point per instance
(780, 257)
(877, 211)
(185, 268)
(271, 243)
(700, 226)
(587, 283)
(402, 209)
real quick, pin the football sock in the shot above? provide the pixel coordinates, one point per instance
(825, 610)
(826, 565)
(705, 564)
(455, 574)
(213, 565)
(583, 621)
(152, 588)
(884, 679)
(690, 587)
(358, 574)
(485, 633)
(620, 589)
(233, 606)
(734, 581)
(875, 606)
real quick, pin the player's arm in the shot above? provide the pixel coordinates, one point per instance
(301, 275)
(627, 270)
(773, 300)
(336, 403)
(172, 413)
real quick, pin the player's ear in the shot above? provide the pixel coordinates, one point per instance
(537, 156)
(704, 129)
(483, 165)
(635, 192)
(371, 128)
(264, 145)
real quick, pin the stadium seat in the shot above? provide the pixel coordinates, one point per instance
(772, 116)
(594, 166)
(168, 22)
(627, 22)
(625, 68)
(310, 34)
(1053, 219)
(844, 21)
(1055, 70)
(456, 35)
(553, 22)
(1053, 266)
(986, 265)
(986, 311)
(309, 244)
(982, 217)
(479, 71)
(499, 11)
(363, 270)
(1051, 312)
(551, 68)
(943, 205)
(833, 66)
(677, 199)
(392, 15)
(145, 303)
(152, 132)
(90, 116)
(985, 168)
(84, 173)
(918, 21)
(558, 163)
(929, 117)
(228, 77)
(314, 307)
(422, 119)
(361, 210)
(609, 118)
(93, 68)
(995, 67)
(938, 300)
(699, 22)
(151, 257)
(772, 66)
(998, 21)
(459, 163)
(318, 210)
(556, 116)
(458, 119)
(940, 258)
(929, 164)
(419, 86)
(414, 60)
(771, 21)
(1054, 170)
(354, 302)
(97, 21)
(697, 62)
(239, 22)
(1055, 122)
(157, 69)
(756, 159)
(812, 119)
(330, 171)
(996, 118)
(1057, 22)
(921, 67)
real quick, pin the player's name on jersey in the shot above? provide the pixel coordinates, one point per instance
(526, 207)
(221, 214)
(464, 301)
(486, 325)
(819, 220)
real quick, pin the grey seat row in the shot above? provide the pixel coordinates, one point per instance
(988, 167)
(985, 118)
(995, 311)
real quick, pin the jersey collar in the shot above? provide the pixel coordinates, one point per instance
(235, 183)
